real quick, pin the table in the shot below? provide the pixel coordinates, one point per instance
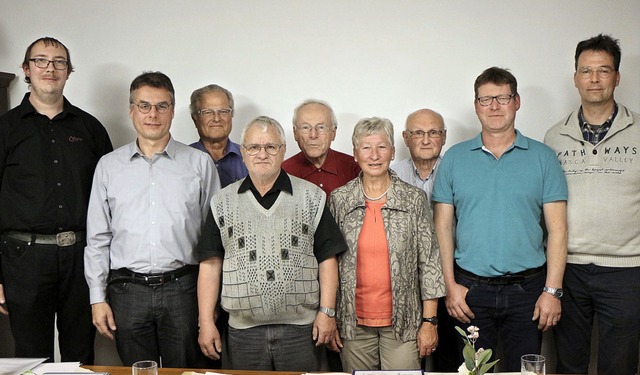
(124, 370)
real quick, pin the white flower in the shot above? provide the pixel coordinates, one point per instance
(463, 370)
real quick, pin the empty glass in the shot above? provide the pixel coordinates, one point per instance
(532, 364)
(144, 368)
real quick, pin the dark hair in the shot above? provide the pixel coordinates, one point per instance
(496, 76)
(604, 43)
(48, 41)
(153, 79)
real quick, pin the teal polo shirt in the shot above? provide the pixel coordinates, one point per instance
(498, 203)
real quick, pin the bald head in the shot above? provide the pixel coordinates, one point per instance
(424, 135)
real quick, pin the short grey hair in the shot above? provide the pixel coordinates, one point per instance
(264, 122)
(334, 121)
(371, 126)
(197, 95)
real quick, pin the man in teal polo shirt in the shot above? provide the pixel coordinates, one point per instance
(508, 194)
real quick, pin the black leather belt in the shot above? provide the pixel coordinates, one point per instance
(125, 275)
(61, 239)
(509, 279)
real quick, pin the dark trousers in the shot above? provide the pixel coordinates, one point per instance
(448, 357)
(158, 322)
(274, 347)
(504, 312)
(611, 293)
(40, 283)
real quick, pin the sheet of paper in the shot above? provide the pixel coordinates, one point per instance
(12, 366)
(58, 367)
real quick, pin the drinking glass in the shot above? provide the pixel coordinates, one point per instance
(144, 368)
(532, 364)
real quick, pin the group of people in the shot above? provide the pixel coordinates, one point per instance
(225, 254)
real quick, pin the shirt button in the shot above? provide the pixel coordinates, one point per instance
(53, 141)
(59, 206)
(321, 185)
(595, 152)
(59, 184)
(55, 161)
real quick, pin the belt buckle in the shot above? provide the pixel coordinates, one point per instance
(66, 238)
(157, 280)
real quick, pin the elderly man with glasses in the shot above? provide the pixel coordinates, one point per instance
(48, 153)
(212, 110)
(314, 128)
(504, 259)
(278, 243)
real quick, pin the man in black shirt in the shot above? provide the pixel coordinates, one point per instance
(48, 152)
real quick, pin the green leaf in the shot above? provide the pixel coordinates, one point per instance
(487, 366)
(469, 354)
(484, 356)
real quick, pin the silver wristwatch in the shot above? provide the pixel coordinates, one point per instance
(330, 312)
(556, 292)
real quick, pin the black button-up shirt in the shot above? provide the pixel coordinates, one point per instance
(46, 168)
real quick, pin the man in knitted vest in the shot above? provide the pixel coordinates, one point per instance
(272, 243)
(598, 146)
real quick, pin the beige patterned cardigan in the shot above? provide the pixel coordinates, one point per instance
(416, 271)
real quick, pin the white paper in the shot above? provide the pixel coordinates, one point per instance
(59, 367)
(12, 366)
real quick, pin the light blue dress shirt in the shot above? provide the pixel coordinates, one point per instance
(146, 214)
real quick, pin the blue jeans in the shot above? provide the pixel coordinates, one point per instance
(504, 312)
(275, 347)
(156, 322)
(611, 293)
(40, 283)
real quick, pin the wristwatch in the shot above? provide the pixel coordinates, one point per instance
(556, 292)
(433, 320)
(330, 312)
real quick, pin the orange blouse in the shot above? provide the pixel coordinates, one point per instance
(373, 272)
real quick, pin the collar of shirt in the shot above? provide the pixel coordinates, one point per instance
(26, 108)
(520, 142)
(282, 183)
(169, 150)
(330, 165)
(232, 147)
(594, 136)
(417, 173)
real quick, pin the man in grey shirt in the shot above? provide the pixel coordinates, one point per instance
(148, 203)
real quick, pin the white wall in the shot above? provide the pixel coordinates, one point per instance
(366, 58)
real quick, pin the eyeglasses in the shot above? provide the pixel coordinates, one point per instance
(419, 134)
(44, 63)
(602, 72)
(320, 129)
(501, 99)
(224, 112)
(145, 107)
(271, 149)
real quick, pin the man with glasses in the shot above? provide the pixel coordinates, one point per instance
(597, 146)
(508, 194)
(148, 203)
(278, 242)
(424, 136)
(212, 112)
(314, 128)
(48, 153)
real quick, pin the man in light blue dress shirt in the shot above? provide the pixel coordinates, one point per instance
(148, 203)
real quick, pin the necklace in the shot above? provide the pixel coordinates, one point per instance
(377, 198)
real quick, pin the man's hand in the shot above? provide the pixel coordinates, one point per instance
(456, 305)
(209, 340)
(427, 339)
(103, 319)
(3, 301)
(325, 330)
(547, 311)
